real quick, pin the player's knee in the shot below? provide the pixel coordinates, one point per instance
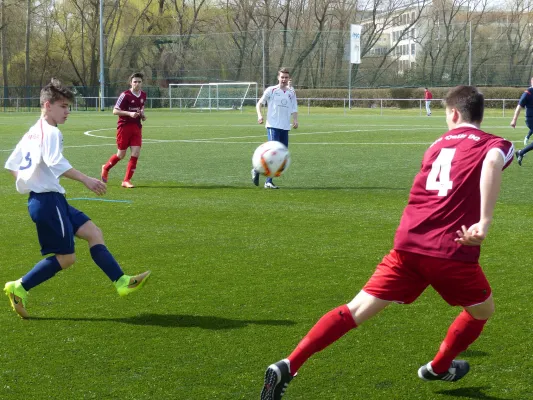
(483, 311)
(487, 312)
(95, 234)
(66, 260)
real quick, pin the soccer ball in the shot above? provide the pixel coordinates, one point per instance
(271, 159)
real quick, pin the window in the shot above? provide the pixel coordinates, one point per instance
(413, 49)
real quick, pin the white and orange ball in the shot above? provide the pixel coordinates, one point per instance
(271, 159)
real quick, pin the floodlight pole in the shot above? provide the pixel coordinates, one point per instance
(102, 85)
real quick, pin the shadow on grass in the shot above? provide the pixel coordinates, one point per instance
(470, 393)
(178, 321)
(475, 353)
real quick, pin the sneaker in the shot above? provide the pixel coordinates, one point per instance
(255, 177)
(127, 284)
(104, 174)
(277, 378)
(457, 370)
(17, 297)
(270, 185)
(519, 157)
(526, 139)
(127, 184)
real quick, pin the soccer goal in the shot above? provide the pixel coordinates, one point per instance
(212, 96)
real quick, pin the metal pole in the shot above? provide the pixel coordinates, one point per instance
(350, 86)
(470, 56)
(264, 66)
(102, 84)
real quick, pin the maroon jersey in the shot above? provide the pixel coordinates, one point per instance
(128, 101)
(445, 194)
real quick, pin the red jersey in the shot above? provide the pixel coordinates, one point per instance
(445, 194)
(428, 95)
(128, 101)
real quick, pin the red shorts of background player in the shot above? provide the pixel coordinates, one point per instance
(128, 135)
(403, 276)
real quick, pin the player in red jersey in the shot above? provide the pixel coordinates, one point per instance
(130, 111)
(427, 97)
(447, 218)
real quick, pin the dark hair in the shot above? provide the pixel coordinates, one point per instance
(468, 101)
(55, 91)
(283, 70)
(136, 75)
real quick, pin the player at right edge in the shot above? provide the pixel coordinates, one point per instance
(437, 243)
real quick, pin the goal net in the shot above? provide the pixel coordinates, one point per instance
(212, 96)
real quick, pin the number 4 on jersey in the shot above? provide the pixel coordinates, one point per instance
(439, 176)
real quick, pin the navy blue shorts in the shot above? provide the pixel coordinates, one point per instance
(529, 123)
(279, 135)
(56, 222)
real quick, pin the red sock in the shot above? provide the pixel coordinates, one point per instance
(112, 162)
(461, 334)
(132, 164)
(330, 328)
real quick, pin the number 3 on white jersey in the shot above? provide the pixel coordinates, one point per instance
(439, 176)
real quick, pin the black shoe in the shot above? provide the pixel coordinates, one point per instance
(457, 370)
(255, 177)
(519, 157)
(277, 378)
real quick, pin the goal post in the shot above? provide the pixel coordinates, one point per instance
(212, 96)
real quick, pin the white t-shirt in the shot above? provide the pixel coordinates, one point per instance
(281, 104)
(38, 159)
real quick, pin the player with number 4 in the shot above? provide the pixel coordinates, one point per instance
(437, 244)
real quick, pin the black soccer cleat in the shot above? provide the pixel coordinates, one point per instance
(457, 370)
(519, 157)
(255, 177)
(277, 378)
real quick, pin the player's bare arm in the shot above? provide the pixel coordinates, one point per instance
(489, 186)
(93, 184)
(295, 120)
(259, 115)
(516, 114)
(14, 173)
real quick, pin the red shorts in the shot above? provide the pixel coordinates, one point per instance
(403, 276)
(129, 135)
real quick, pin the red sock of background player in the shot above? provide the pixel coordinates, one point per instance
(461, 334)
(111, 162)
(132, 164)
(331, 327)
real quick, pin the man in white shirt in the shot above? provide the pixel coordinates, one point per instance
(37, 163)
(282, 103)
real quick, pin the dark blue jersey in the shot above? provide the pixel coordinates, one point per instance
(526, 100)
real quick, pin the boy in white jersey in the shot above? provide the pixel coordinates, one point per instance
(37, 163)
(282, 103)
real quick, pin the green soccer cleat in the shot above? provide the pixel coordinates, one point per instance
(127, 284)
(18, 297)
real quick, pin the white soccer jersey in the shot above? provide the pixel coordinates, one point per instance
(281, 104)
(38, 160)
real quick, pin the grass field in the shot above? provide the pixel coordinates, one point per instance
(241, 273)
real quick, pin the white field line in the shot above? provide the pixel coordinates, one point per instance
(261, 138)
